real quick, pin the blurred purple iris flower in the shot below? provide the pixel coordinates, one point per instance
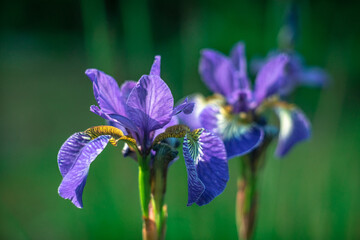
(140, 114)
(236, 111)
(298, 73)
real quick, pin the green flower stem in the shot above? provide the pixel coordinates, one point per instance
(160, 212)
(149, 230)
(144, 184)
(246, 200)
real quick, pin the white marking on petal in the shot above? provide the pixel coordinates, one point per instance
(286, 125)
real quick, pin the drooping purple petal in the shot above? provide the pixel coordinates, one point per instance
(294, 128)
(239, 138)
(74, 180)
(155, 68)
(186, 107)
(243, 140)
(106, 92)
(195, 186)
(70, 151)
(239, 61)
(270, 77)
(207, 167)
(150, 103)
(218, 72)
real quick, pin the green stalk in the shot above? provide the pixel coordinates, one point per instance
(149, 230)
(144, 184)
(164, 155)
(246, 200)
(158, 201)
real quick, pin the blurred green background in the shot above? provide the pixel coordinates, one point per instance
(45, 47)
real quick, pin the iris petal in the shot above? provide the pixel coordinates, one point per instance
(150, 103)
(155, 68)
(218, 72)
(238, 59)
(82, 152)
(125, 91)
(243, 140)
(239, 138)
(70, 151)
(294, 128)
(206, 163)
(192, 120)
(195, 186)
(271, 77)
(124, 122)
(186, 107)
(106, 92)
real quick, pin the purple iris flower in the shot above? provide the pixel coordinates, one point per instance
(142, 114)
(236, 112)
(298, 73)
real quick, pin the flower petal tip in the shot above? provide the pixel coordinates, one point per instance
(155, 68)
(91, 73)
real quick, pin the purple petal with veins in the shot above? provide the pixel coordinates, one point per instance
(81, 155)
(207, 167)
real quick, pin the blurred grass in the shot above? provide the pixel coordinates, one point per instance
(45, 97)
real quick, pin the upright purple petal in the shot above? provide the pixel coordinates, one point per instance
(218, 72)
(239, 138)
(155, 68)
(294, 128)
(186, 107)
(106, 92)
(270, 77)
(150, 103)
(207, 167)
(126, 123)
(238, 59)
(74, 179)
(125, 91)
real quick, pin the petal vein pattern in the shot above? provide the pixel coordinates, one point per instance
(106, 92)
(74, 179)
(206, 163)
(150, 103)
